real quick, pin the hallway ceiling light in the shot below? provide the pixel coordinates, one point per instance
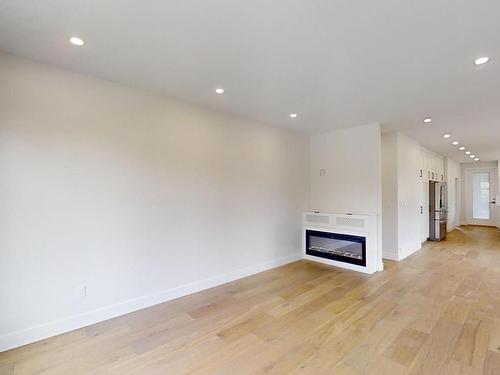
(293, 115)
(446, 135)
(219, 91)
(481, 60)
(461, 148)
(454, 143)
(467, 152)
(472, 156)
(76, 41)
(476, 159)
(427, 120)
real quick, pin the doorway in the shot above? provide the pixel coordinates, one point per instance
(480, 191)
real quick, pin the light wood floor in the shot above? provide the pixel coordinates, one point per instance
(438, 312)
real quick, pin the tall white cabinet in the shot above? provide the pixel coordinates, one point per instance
(432, 168)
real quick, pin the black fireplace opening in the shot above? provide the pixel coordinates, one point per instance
(340, 247)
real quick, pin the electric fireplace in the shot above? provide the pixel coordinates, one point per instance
(345, 240)
(335, 246)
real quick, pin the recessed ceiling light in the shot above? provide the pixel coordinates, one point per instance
(446, 135)
(219, 91)
(481, 60)
(461, 148)
(472, 156)
(293, 115)
(476, 159)
(454, 143)
(427, 120)
(76, 41)
(467, 152)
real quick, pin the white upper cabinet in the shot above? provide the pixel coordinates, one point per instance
(421, 170)
(440, 169)
(431, 166)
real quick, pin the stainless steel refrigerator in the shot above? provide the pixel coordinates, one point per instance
(438, 210)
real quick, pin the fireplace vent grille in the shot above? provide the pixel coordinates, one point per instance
(323, 219)
(350, 222)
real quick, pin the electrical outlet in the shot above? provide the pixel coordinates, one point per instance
(83, 291)
(322, 172)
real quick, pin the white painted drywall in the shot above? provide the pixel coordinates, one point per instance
(497, 196)
(351, 163)
(138, 197)
(409, 195)
(453, 176)
(390, 196)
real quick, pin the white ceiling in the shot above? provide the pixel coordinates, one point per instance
(336, 63)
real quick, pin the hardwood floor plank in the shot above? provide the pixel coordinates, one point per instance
(492, 364)
(472, 345)
(437, 350)
(405, 347)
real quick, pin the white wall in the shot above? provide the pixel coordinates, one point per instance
(135, 196)
(453, 175)
(409, 196)
(390, 196)
(401, 157)
(497, 196)
(351, 160)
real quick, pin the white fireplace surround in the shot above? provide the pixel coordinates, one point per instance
(363, 225)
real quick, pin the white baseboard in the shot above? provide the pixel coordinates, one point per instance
(57, 327)
(410, 252)
(390, 255)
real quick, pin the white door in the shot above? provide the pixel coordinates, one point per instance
(481, 188)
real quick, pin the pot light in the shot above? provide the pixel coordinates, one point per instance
(454, 143)
(76, 41)
(476, 159)
(446, 135)
(481, 60)
(472, 156)
(461, 148)
(427, 120)
(219, 91)
(293, 115)
(467, 152)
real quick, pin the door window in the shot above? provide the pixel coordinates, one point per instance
(481, 196)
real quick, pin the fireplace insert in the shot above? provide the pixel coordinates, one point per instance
(340, 247)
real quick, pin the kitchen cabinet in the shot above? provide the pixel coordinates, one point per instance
(431, 167)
